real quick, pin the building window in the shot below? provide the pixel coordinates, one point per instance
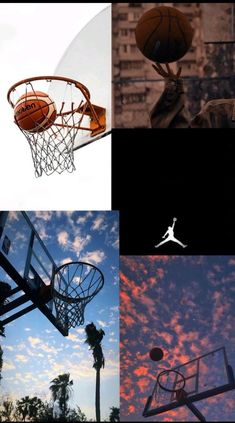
(132, 32)
(134, 16)
(128, 64)
(124, 32)
(133, 98)
(123, 16)
(123, 48)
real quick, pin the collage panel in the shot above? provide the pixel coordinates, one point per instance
(56, 101)
(184, 178)
(173, 65)
(59, 325)
(177, 338)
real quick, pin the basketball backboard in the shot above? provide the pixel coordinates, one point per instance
(204, 376)
(27, 265)
(88, 60)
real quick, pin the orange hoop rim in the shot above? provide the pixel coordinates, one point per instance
(77, 84)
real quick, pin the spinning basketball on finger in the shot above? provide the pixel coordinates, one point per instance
(164, 35)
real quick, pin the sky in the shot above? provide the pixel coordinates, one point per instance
(184, 305)
(34, 351)
(26, 51)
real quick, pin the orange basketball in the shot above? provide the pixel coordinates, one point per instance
(164, 34)
(35, 112)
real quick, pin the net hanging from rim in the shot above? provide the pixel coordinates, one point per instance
(52, 148)
(74, 285)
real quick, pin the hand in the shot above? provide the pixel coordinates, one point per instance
(168, 73)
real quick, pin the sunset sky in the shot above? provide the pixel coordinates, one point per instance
(184, 305)
(34, 352)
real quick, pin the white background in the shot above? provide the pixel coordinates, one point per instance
(33, 38)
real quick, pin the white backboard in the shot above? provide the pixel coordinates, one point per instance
(88, 60)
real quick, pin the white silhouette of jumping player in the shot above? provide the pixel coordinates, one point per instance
(170, 233)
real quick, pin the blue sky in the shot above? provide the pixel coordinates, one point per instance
(34, 351)
(186, 306)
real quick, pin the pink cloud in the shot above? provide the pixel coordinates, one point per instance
(131, 409)
(143, 384)
(141, 371)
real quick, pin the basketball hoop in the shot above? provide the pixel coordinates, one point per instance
(74, 285)
(52, 148)
(175, 379)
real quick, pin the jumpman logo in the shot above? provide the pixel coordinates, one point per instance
(171, 237)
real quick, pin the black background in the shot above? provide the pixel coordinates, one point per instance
(161, 174)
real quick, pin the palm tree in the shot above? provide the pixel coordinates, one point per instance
(5, 289)
(23, 407)
(30, 407)
(8, 408)
(114, 415)
(61, 392)
(93, 339)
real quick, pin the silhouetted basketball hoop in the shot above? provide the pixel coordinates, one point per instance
(52, 148)
(74, 285)
(171, 381)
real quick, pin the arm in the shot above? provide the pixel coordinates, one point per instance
(170, 110)
(164, 236)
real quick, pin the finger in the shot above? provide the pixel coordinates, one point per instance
(159, 69)
(179, 72)
(163, 72)
(169, 70)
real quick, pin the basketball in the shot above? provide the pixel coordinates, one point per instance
(163, 34)
(156, 354)
(35, 112)
(45, 293)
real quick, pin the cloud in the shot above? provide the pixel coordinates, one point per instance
(113, 340)
(40, 345)
(48, 349)
(102, 324)
(115, 244)
(21, 358)
(9, 347)
(94, 257)
(13, 215)
(83, 219)
(8, 365)
(141, 371)
(62, 238)
(34, 341)
(115, 308)
(98, 224)
(80, 243)
(27, 329)
(72, 337)
(44, 215)
(42, 232)
(66, 260)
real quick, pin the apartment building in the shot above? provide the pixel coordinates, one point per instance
(136, 84)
